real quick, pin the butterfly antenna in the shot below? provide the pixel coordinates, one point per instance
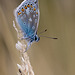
(48, 37)
(42, 31)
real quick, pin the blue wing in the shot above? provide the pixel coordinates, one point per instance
(27, 17)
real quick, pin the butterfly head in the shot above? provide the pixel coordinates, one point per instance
(37, 38)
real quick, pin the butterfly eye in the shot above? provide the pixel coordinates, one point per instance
(35, 38)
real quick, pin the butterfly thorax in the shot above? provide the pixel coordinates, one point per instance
(32, 38)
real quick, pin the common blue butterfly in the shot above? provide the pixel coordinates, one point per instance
(27, 18)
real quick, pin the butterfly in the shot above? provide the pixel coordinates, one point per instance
(27, 17)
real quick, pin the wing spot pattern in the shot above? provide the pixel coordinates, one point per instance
(35, 20)
(33, 27)
(33, 16)
(22, 10)
(19, 13)
(28, 5)
(30, 20)
(25, 7)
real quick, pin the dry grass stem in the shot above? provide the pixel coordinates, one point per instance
(25, 68)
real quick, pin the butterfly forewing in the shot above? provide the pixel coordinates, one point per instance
(27, 17)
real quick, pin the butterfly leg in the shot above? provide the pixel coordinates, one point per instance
(28, 45)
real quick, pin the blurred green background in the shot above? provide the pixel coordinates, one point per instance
(48, 56)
